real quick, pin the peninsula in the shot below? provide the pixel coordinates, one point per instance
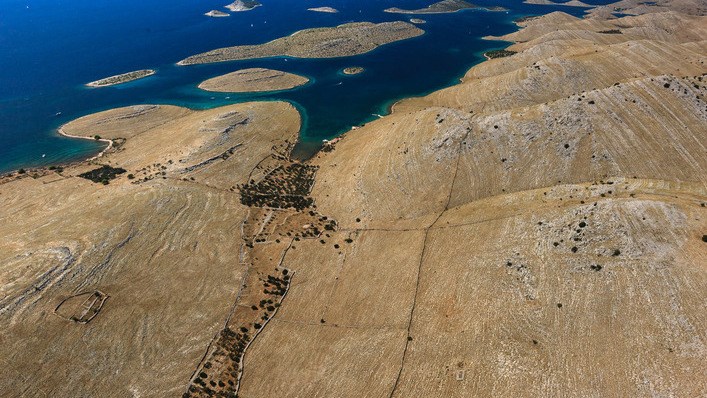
(122, 78)
(243, 5)
(253, 80)
(340, 41)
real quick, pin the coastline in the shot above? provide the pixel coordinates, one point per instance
(386, 109)
(61, 132)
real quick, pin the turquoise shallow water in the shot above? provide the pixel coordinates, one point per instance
(50, 48)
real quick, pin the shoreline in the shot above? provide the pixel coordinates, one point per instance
(61, 132)
(389, 109)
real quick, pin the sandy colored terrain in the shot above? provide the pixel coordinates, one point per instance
(536, 230)
(554, 206)
(164, 247)
(122, 78)
(343, 40)
(253, 80)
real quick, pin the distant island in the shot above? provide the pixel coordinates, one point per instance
(353, 70)
(571, 3)
(253, 80)
(444, 6)
(324, 9)
(417, 21)
(243, 5)
(339, 41)
(122, 78)
(216, 14)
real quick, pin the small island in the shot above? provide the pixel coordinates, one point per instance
(243, 5)
(417, 21)
(253, 80)
(324, 9)
(122, 78)
(216, 14)
(571, 3)
(442, 7)
(331, 42)
(353, 70)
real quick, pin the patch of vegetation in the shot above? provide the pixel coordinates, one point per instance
(103, 174)
(499, 53)
(284, 187)
(525, 19)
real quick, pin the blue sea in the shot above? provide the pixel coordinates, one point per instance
(50, 48)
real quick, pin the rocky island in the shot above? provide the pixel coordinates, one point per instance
(571, 3)
(324, 9)
(122, 78)
(353, 70)
(537, 230)
(216, 14)
(343, 40)
(442, 7)
(243, 5)
(253, 80)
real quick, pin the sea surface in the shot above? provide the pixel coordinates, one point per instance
(50, 48)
